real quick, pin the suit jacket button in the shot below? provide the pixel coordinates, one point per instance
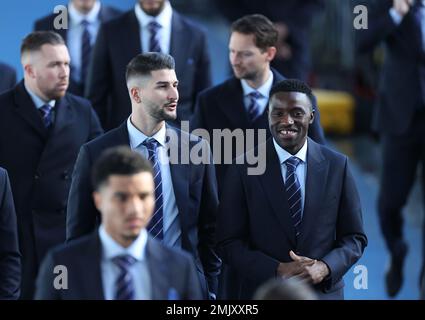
(36, 176)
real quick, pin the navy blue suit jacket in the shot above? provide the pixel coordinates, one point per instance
(10, 258)
(402, 84)
(119, 41)
(40, 165)
(194, 187)
(222, 107)
(47, 24)
(173, 274)
(255, 231)
(7, 77)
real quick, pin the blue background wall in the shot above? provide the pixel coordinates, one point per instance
(17, 19)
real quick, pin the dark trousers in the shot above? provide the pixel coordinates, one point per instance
(402, 155)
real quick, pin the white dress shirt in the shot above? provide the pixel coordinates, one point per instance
(139, 270)
(264, 90)
(164, 33)
(301, 168)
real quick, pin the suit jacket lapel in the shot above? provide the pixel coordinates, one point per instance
(92, 275)
(232, 104)
(27, 110)
(157, 271)
(274, 188)
(132, 43)
(317, 173)
(64, 115)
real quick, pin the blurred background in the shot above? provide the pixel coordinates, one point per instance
(344, 82)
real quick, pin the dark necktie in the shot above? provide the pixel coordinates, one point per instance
(47, 115)
(156, 224)
(86, 49)
(154, 39)
(293, 191)
(124, 285)
(254, 108)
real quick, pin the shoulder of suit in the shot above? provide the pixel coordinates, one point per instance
(77, 101)
(328, 152)
(227, 86)
(5, 68)
(189, 23)
(169, 253)
(74, 248)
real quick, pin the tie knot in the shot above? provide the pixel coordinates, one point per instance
(292, 163)
(255, 95)
(150, 143)
(154, 26)
(124, 261)
(46, 109)
(85, 23)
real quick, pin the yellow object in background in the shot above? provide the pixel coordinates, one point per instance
(336, 111)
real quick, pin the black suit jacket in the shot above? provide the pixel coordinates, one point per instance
(255, 231)
(47, 24)
(194, 188)
(40, 165)
(10, 258)
(119, 41)
(222, 107)
(402, 84)
(7, 77)
(171, 272)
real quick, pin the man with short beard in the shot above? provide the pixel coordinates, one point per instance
(186, 192)
(152, 26)
(42, 127)
(84, 19)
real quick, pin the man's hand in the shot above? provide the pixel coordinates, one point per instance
(402, 6)
(310, 270)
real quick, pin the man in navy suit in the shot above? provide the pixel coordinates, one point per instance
(187, 197)
(120, 261)
(7, 77)
(84, 19)
(10, 258)
(252, 47)
(399, 118)
(152, 26)
(302, 217)
(41, 130)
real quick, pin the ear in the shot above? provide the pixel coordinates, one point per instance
(29, 70)
(271, 52)
(97, 199)
(311, 117)
(135, 94)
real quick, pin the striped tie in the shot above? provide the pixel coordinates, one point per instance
(85, 50)
(47, 115)
(254, 108)
(156, 224)
(293, 191)
(153, 27)
(124, 283)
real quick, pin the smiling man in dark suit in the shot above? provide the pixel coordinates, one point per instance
(302, 217)
(120, 261)
(7, 77)
(41, 130)
(10, 258)
(186, 192)
(152, 26)
(84, 19)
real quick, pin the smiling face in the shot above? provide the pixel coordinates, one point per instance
(126, 203)
(290, 115)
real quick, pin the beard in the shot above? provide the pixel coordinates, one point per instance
(161, 114)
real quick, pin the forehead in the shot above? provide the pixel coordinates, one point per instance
(290, 99)
(163, 75)
(241, 40)
(139, 182)
(54, 52)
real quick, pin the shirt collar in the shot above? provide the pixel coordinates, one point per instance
(38, 102)
(285, 155)
(137, 137)
(264, 89)
(164, 18)
(76, 17)
(111, 248)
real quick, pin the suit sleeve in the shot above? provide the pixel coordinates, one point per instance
(99, 77)
(207, 226)
(10, 258)
(45, 280)
(193, 288)
(233, 232)
(350, 237)
(82, 215)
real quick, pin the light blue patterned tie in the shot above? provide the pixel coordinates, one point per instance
(254, 108)
(154, 27)
(293, 191)
(47, 115)
(156, 224)
(124, 283)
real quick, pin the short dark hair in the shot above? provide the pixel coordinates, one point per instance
(118, 160)
(144, 63)
(265, 33)
(294, 85)
(35, 40)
